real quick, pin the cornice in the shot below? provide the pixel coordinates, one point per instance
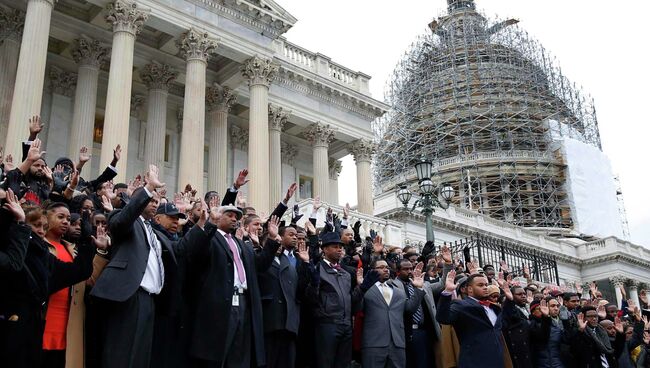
(310, 86)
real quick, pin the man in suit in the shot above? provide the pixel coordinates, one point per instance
(334, 296)
(477, 322)
(383, 342)
(281, 288)
(226, 328)
(133, 283)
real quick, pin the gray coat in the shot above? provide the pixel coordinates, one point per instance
(429, 301)
(383, 322)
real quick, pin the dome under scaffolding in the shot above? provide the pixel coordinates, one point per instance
(487, 105)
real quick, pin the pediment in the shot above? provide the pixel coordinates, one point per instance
(265, 15)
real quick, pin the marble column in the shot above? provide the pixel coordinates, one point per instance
(11, 31)
(277, 118)
(157, 77)
(335, 167)
(127, 21)
(363, 150)
(219, 100)
(57, 128)
(320, 136)
(89, 55)
(259, 72)
(196, 47)
(30, 73)
(618, 282)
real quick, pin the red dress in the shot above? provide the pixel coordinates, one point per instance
(58, 309)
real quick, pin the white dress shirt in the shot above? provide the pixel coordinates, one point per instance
(490, 313)
(382, 286)
(238, 284)
(151, 281)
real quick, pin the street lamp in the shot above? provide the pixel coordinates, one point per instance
(430, 195)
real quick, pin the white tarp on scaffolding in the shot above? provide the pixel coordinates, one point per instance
(591, 190)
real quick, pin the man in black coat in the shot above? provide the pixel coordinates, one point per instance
(226, 328)
(517, 327)
(133, 283)
(281, 288)
(335, 297)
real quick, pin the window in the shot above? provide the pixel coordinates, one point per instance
(98, 130)
(305, 183)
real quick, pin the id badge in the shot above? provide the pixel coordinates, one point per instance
(235, 300)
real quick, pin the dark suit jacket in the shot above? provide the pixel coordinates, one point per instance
(382, 322)
(481, 344)
(281, 288)
(211, 292)
(336, 297)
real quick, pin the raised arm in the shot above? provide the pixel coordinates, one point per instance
(12, 256)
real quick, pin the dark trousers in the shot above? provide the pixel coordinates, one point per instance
(388, 357)
(333, 344)
(238, 339)
(280, 349)
(419, 351)
(53, 359)
(129, 332)
(21, 341)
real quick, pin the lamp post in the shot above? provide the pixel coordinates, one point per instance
(428, 195)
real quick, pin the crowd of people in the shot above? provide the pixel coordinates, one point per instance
(101, 274)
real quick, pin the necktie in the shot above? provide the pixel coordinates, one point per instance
(336, 266)
(292, 259)
(235, 254)
(417, 316)
(485, 303)
(385, 292)
(155, 244)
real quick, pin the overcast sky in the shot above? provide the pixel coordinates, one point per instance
(600, 44)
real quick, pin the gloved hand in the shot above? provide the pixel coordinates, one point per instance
(296, 214)
(60, 181)
(370, 279)
(428, 248)
(357, 234)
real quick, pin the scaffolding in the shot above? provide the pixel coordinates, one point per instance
(488, 105)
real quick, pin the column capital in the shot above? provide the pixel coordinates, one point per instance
(62, 82)
(239, 138)
(617, 281)
(288, 152)
(319, 134)
(633, 284)
(125, 16)
(137, 101)
(219, 98)
(196, 45)
(259, 71)
(12, 22)
(158, 76)
(335, 167)
(277, 117)
(86, 51)
(363, 150)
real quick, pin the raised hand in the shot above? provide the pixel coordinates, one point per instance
(13, 206)
(34, 152)
(241, 200)
(241, 179)
(602, 312)
(450, 285)
(162, 192)
(35, 127)
(593, 288)
(74, 179)
(272, 227)
(582, 324)
(213, 202)
(578, 286)
(106, 204)
(543, 307)
(117, 154)
(203, 217)
(9, 163)
(151, 177)
(526, 272)
(472, 267)
(378, 245)
(646, 338)
(47, 172)
(309, 227)
(359, 276)
(530, 296)
(303, 252)
(346, 211)
(418, 276)
(618, 325)
(503, 266)
(445, 252)
(84, 155)
(252, 235)
(503, 284)
(317, 204)
(239, 233)
(101, 241)
(290, 192)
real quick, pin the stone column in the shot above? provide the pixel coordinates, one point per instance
(157, 77)
(219, 100)
(89, 55)
(320, 136)
(634, 291)
(277, 118)
(62, 85)
(196, 47)
(335, 167)
(618, 282)
(127, 21)
(363, 151)
(259, 72)
(11, 31)
(30, 73)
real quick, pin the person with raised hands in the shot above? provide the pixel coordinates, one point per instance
(32, 180)
(476, 321)
(591, 345)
